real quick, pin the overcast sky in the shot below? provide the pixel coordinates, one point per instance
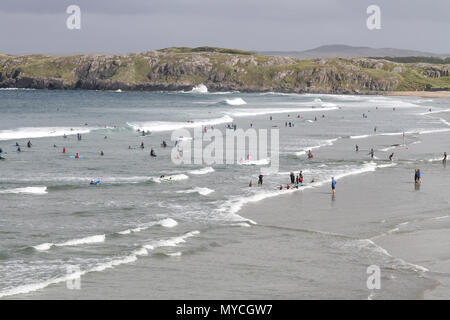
(123, 26)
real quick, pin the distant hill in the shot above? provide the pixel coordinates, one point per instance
(344, 51)
(219, 69)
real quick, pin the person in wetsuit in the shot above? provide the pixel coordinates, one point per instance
(260, 179)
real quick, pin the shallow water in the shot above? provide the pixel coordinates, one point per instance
(51, 217)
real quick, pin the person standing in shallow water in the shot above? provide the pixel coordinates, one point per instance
(333, 186)
(418, 177)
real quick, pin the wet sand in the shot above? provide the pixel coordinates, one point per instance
(423, 94)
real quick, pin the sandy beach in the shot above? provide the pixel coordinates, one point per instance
(423, 94)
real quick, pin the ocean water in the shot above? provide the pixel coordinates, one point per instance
(52, 218)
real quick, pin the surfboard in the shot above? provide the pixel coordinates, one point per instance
(73, 157)
(96, 182)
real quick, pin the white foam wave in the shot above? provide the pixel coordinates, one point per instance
(74, 242)
(41, 132)
(202, 191)
(434, 112)
(360, 137)
(235, 102)
(171, 242)
(159, 126)
(27, 190)
(174, 254)
(201, 88)
(176, 177)
(167, 223)
(263, 111)
(371, 247)
(324, 143)
(260, 162)
(143, 251)
(205, 170)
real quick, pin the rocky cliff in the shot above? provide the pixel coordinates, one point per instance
(220, 70)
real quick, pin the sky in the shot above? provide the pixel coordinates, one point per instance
(125, 26)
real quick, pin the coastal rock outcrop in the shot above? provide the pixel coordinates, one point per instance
(219, 69)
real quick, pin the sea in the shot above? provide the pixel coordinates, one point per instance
(151, 217)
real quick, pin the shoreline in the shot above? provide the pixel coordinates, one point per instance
(186, 89)
(422, 94)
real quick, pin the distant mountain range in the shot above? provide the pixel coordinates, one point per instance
(344, 51)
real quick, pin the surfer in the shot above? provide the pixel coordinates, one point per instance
(92, 182)
(250, 184)
(101, 153)
(260, 179)
(443, 160)
(371, 153)
(391, 156)
(77, 156)
(310, 155)
(356, 148)
(333, 185)
(29, 144)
